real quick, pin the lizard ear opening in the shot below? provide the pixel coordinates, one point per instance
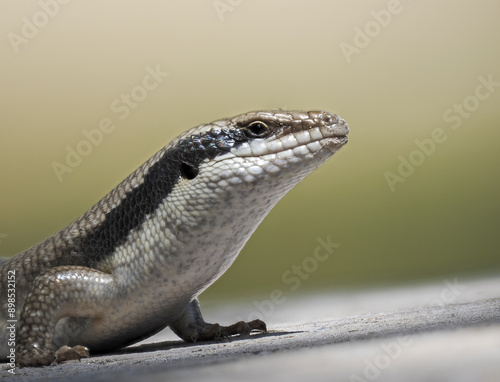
(188, 171)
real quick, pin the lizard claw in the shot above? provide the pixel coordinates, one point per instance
(66, 353)
(243, 328)
(33, 356)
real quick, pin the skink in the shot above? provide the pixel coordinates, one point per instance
(137, 260)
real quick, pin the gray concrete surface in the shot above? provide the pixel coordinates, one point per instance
(446, 331)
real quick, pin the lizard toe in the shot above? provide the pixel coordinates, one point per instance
(33, 356)
(66, 353)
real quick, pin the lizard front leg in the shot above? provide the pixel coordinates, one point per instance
(66, 291)
(191, 326)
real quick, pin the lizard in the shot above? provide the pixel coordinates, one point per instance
(137, 261)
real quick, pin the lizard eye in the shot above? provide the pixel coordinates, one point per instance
(257, 129)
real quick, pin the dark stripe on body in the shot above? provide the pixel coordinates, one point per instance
(158, 183)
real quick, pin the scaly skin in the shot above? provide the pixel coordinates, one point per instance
(137, 260)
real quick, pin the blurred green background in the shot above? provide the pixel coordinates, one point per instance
(396, 71)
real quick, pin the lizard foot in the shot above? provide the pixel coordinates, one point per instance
(206, 332)
(34, 356)
(191, 327)
(66, 353)
(243, 328)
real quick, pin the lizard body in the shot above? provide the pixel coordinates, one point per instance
(138, 259)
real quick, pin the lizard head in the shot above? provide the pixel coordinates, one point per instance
(259, 144)
(230, 174)
(225, 176)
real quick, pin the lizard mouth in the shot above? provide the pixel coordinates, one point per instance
(335, 143)
(299, 143)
